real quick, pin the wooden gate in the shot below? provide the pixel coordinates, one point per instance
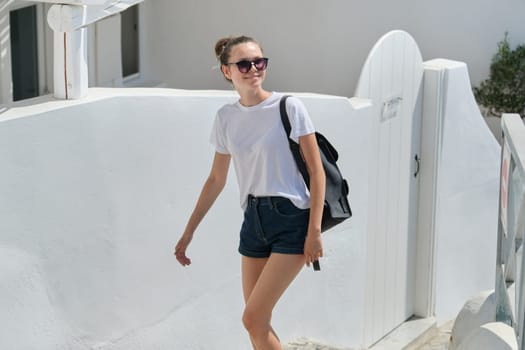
(391, 78)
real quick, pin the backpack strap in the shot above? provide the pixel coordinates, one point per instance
(294, 146)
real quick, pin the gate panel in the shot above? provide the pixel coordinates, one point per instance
(391, 78)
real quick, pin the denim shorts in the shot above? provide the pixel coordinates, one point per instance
(272, 225)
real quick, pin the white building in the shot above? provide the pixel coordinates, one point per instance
(332, 40)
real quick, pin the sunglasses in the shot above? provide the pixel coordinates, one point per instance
(244, 66)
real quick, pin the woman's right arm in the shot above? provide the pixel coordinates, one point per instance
(209, 193)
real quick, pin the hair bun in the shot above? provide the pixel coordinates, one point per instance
(220, 46)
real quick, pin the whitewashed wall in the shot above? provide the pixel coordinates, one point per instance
(468, 188)
(94, 194)
(318, 46)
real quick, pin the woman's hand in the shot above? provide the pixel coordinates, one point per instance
(313, 248)
(180, 249)
(209, 193)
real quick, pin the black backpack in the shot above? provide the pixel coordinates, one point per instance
(336, 206)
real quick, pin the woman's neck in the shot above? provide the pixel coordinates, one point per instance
(252, 98)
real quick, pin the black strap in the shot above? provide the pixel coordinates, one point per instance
(294, 146)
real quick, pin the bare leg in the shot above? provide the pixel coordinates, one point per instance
(274, 276)
(251, 270)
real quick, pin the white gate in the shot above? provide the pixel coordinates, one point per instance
(391, 78)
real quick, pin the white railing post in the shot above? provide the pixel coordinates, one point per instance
(68, 20)
(510, 265)
(70, 69)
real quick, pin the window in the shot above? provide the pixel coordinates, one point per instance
(24, 53)
(130, 41)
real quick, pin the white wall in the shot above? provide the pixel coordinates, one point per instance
(318, 46)
(468, 192)
(94, 194)
(108, 56)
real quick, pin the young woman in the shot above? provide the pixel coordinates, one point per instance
(282, 219)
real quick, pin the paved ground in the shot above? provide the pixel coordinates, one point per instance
(439, 342)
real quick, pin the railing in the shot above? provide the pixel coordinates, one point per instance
(510, 265)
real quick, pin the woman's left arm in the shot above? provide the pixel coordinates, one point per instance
(313, 246)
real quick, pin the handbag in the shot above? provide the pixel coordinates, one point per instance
(336, 206)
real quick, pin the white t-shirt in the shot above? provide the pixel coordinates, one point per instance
(255, 138)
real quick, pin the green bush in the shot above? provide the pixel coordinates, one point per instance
(504, 90)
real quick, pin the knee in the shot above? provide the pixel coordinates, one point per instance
(253, 322)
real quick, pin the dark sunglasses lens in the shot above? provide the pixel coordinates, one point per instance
(244, 66)
(261, 63)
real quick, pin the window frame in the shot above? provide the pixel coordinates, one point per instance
(44, 37)
(130, 80)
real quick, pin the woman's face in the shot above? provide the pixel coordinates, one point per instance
(253, 78)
